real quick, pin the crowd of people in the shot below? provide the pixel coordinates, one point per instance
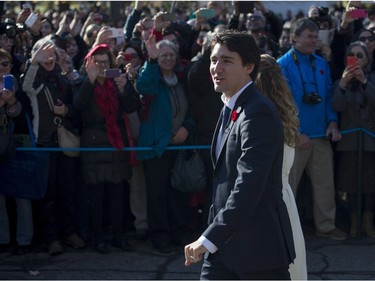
(63, 65)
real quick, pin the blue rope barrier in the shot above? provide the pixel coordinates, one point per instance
(183, 147)
(344, 132)
(109, 148)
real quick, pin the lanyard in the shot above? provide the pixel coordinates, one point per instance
(296, 61)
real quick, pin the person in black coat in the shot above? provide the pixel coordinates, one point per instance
(101, 102)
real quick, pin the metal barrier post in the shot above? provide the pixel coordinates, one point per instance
(359, 185)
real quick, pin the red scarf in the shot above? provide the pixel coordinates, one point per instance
(107, 101)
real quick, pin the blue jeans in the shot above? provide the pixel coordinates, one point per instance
(25, 228)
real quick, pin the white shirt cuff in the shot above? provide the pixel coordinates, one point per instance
(208, 244)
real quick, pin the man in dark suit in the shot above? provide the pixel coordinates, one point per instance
(249, 234)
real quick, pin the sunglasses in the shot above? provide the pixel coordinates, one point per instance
(358, 55)
(5, 63)
(364, 38)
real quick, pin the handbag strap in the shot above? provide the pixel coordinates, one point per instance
(31, 132)
(49, 98)
(57, 120)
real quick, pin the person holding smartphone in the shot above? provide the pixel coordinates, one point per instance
(354, 99)
(102, 101)
(13, 105)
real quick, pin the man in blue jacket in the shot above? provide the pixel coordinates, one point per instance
(309, 80)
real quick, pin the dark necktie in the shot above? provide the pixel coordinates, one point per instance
(224, 122)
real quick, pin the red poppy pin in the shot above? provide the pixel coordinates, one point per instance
(235, 114)
(322, 71)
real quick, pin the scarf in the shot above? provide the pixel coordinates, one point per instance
(107, 101)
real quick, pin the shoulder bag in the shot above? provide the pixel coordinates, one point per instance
(189, 174)
(26, 176)
(65, 138)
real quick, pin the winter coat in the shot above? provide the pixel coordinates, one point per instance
(102, 166)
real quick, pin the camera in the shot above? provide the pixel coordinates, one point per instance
(312, 98)
(324, 16)
(323, 11)
(10, 28)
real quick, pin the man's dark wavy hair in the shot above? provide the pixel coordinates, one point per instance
(242, 43)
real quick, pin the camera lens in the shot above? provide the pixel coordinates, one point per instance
(11, 31)
(323, 11)
(312, 98)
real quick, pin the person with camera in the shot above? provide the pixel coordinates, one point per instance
(11, 36)
(259, 19)
(310, 82)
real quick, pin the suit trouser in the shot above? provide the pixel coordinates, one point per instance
(318, 162)
(213, 268)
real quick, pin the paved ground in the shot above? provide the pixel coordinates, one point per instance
(353, 259)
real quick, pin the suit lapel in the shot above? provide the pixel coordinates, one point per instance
(214, 141)
(237, 107)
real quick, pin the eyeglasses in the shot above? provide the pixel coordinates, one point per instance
(364, 38)
(5, 63)
(358, 55)
(310, 37)
(102, 62)
(128, 57)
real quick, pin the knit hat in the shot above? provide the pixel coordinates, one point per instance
(96, 49)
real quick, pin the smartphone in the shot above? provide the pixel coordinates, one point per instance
(116, 32)
(167, 17)
(112, 73)
(245, 7)
(31, 20)
(207, 13)
(351, 61)
(358, 13)
(323, 36)
(8, 82)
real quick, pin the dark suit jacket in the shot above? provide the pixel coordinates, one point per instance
(248, 219)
